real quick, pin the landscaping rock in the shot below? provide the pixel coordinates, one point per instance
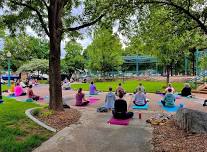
(192, 120)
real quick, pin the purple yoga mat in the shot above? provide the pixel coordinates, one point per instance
(114, 121)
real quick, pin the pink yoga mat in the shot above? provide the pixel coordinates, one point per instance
(92, 100)
(114, 121)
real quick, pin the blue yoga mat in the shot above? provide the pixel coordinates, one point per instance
(11, 96)
(145, 107)
(169, 109)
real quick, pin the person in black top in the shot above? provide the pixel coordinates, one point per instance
(186, 90)
(120, 108)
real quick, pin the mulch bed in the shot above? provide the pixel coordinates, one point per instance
(169, 138)
(60, 119)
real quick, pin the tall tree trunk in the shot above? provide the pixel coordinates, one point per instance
(55, 28)
(168, 74)
(171, 70)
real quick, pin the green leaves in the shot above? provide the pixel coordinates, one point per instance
(41, 65)
(23, 48)
(74, 60)
(105, 52)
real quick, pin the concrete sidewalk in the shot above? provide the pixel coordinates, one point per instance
(93, 134)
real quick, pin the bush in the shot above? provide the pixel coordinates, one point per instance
(36, 112)
(46, 112)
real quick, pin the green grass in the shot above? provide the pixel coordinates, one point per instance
(17, 132)
(4, 87)
(43, 81)
(131, 85)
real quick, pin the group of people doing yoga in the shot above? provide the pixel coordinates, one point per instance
(119, 105)
(17, 89)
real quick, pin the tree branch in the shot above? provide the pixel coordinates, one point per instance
(85, 24)
(178, 7)
(44, 26)
(45, 3)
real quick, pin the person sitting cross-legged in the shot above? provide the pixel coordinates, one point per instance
(120, 89)
(18, 90)
(80, 98)
(92, 89)
(169, 99)
(110, 100)
(66, 85)
(186, 91)
(31, 94)
(140, 87)
(140, 98)
(120, 108)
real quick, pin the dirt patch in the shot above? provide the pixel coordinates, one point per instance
(59, 119)
(169, 138)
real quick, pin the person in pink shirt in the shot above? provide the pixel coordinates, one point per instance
(18, 90)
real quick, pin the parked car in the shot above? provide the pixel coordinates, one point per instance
(12, 77)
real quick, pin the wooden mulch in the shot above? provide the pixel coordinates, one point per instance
(169, 138)
(60, 119)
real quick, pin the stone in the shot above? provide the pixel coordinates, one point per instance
(192, 121)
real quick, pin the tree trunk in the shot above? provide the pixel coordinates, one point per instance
(168, 74)
(55, 28)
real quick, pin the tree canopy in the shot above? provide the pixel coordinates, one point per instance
(23, 48)
(35, 65)
(105, 52)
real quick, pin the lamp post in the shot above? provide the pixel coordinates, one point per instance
(1, 48)
(9, 65)
(0, 89)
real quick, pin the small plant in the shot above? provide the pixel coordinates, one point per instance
(36, 112)
(46, 112)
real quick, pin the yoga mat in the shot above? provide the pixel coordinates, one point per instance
(92, 101)
(145, 107)
(114, 121)
(11, 96)
(169, 109)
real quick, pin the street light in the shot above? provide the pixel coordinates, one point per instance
(9, 64)
(1, 48)
(0, 89)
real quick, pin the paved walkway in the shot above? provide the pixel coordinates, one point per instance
(93, 134)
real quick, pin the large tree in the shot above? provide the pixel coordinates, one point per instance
(54, 18)
(167, 39)
(105, 52)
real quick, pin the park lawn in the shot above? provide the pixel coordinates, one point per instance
(43, 81)
(4, 87)
(17, 132)
(130, 85)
